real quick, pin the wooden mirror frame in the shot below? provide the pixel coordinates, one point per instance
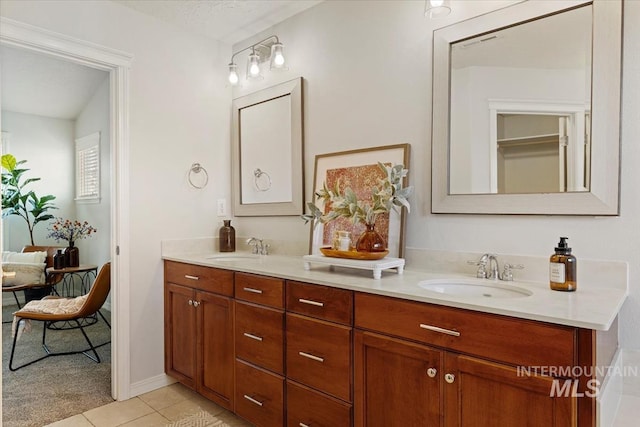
(603, 198)
(293, 88)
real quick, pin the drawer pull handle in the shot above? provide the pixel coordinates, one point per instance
(253, 290)
(253, 337)
(432, 372)
(303, 425)
(252, 400)
(187, 276)
(311, 356)
(441, 330)
(310, 302)
(449, 378)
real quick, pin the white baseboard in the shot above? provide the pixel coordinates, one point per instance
(150, 384)
(610, 392)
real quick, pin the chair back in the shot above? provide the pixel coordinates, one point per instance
(50, 250)
(51, 279)
(98, 293)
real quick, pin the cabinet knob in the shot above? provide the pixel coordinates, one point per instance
(432, 372)
(190, 302)
(449, 378)
(196, 303)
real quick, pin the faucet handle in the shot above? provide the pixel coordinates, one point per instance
(481, 273)
(507, 274)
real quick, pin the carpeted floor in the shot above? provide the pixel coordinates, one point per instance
(201, 419)
(57, 387)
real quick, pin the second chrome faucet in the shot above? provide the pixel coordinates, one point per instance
(489, 268)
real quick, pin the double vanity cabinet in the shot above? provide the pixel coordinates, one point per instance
(284, 352)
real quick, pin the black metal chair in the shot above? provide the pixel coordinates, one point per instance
(91, 307)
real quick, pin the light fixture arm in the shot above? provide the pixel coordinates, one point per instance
(253, 46)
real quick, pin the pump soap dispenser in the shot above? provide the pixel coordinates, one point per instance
(562, 268)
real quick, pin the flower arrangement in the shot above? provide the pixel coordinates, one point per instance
(388, 195)
(66, 229)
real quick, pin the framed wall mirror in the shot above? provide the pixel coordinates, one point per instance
(526, 110)
(267, 167)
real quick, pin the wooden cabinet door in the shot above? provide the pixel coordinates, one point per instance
(215, 347)
(397, 383)
(487, 394)
(180, 334)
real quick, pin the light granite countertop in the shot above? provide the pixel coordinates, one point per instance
(591, 307)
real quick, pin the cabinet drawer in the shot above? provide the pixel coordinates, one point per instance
(506, 339)
(259, 396)
(323, 302)
(196, 276)
(319, 355)
(307, 407)
(259, 336)
(260, 289)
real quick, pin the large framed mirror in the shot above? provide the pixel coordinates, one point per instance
(267, 167)
(526, 110)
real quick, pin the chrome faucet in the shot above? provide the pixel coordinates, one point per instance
(259, 247)
(494, 268)
(489, 268)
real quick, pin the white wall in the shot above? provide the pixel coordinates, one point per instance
(179, 114)
(95, 118)
(47, 145)
(367, 70)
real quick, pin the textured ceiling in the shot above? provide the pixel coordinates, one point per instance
(228, 20)
(41, 85)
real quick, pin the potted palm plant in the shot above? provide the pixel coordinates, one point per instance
(18, 200)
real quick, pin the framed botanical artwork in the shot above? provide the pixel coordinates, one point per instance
(360, 171)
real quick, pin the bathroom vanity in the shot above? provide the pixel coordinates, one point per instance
(279, 345)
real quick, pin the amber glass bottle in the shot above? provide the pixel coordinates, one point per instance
(227, 237)
(563, 268)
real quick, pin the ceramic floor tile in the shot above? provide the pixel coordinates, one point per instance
(117, 413)
(181, 410)
(167, 396)
(75, 421)
(151, 420)
(233, 420)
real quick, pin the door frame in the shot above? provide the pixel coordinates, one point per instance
(117, 63)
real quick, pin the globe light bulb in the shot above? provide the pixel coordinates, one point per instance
(254, 70)
(279, 59)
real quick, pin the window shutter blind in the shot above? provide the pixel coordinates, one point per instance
(88, 167)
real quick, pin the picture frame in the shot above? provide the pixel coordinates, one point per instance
(359, 170)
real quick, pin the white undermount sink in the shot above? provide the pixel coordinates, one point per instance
(234, 257)
(474, 288)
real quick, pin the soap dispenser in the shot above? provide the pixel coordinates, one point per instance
(227, 237)
(562, 268)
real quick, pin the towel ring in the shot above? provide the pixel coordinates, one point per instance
(259, 176)
(197, 168)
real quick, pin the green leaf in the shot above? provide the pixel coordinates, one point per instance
(8, 162)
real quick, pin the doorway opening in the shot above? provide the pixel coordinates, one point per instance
(117, 64)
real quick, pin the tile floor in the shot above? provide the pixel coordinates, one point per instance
(156, 408)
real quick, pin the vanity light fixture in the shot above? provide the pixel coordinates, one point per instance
(437, 8)
(269, 48)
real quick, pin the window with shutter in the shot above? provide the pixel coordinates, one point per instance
(88, 168)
